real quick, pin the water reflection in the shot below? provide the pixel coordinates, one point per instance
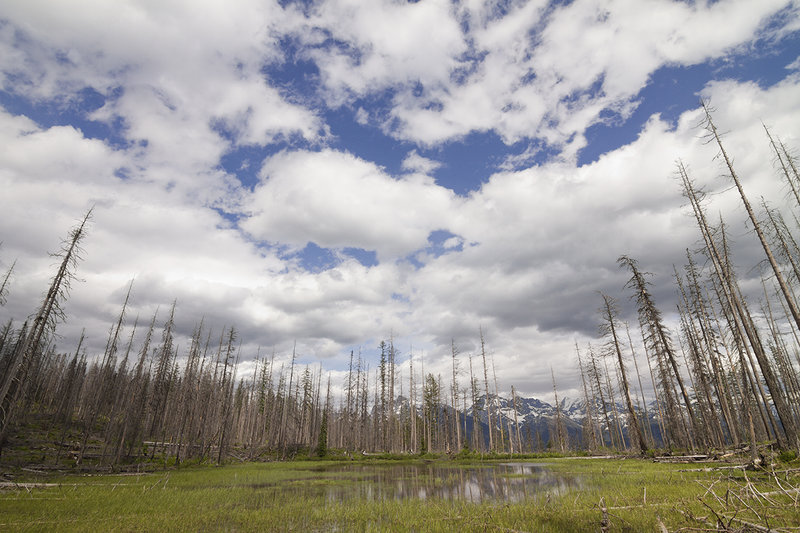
(507, 482)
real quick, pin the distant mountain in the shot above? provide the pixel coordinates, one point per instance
(537, 419)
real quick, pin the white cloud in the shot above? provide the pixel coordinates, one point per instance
(537, 244)
(171, 72)
(559, 230)
(362, 116)
(538, 71)
(529, 248)
(452, 242)
(417, 163)
(387, 43)
(337, 200)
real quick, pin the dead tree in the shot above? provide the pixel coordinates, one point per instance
(608, 329)
(488, 397)
(5, 284)
(784, 413)
(454, 391)
(595, 375)
(656, 332)
(734, 309)
(561, 433)
(589, 404)
(44, 322)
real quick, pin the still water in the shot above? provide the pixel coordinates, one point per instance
(506, 482)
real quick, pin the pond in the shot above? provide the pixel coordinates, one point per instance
(476, 483)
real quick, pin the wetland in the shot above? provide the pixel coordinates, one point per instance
(566, 494)
(507, 482)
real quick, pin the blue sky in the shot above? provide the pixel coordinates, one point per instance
(339, 171)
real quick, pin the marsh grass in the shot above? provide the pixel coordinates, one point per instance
(638, 495)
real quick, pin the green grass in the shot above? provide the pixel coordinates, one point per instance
(254, 497)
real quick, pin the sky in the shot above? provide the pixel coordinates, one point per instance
(333, 173)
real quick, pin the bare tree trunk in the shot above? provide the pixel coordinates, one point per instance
(560, 432)
(486, 387)
(595, 375)
(476, 441)
(282, 428)
(648, 430)
(657, 333)
(501, 445)
(589, 405)
(617, 418)
(4, 286)
(609, 328)
(392, 432)
(412, 406)
(784, 413)
(666, 436)
(785, 161)
(45, 321)
(454, 352)
(516, 422)
(698, 307)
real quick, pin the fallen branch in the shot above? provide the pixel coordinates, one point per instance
(755, 526)
(713, 468)
(605, 522)
(26, 486)
(681, 458)
(722, 526)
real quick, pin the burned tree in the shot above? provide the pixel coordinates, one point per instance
(608, 329)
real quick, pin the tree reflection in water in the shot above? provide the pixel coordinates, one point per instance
(507, 482)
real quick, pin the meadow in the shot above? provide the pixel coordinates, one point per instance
(609, 495)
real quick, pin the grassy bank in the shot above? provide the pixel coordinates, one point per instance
(637, 495)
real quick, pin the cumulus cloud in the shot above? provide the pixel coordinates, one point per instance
(529, 70)
(417, 163)
(368, 47)
(184, 80)
(337, 200)
(560, 228)
(181, 85)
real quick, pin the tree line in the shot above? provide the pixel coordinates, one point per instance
(727, 377)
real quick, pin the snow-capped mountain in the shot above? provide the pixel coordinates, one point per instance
(538, 419)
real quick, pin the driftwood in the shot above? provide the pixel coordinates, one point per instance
(714, 468)
(26, 486)
(681, 458)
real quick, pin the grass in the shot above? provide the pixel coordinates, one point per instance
(637, 495)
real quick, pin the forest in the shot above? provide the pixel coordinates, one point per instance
(725, 378)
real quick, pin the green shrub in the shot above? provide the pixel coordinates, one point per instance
(787, 456)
